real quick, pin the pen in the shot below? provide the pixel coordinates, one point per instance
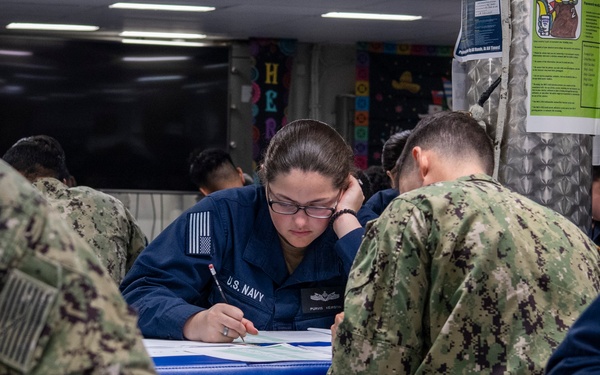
(214, 275)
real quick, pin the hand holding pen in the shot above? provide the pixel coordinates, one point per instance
(230, 313)
(214, 275)
(209, 325)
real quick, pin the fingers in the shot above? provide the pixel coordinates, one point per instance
(220, 323)
(249, 327)
(353, 196)
(338, 319)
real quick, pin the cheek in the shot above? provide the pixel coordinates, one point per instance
(277, 220)
(319, 226)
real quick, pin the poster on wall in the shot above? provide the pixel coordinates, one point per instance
(480, 35)
(396, 85)
(271, 76)
(564, 65)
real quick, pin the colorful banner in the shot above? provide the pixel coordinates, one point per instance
(564, 64)
(271, 76)
(395, 86)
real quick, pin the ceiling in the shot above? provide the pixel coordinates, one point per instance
(243, 19)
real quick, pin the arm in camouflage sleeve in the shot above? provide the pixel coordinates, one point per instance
(72, 318)
(385, 299)
(137, 241)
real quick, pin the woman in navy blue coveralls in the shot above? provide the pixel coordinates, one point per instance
(282, 251)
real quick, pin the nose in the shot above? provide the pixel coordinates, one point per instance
(300, 218)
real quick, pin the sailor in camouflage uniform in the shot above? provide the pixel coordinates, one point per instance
(60, 312)
(461, 276)
(102, 220)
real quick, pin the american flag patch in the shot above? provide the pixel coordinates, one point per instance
(25, 303)
(199, 240)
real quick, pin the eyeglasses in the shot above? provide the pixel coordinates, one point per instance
(288, 208)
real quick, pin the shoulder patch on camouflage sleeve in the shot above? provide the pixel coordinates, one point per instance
(198, 234)
(25, 303)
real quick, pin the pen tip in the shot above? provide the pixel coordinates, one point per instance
(211, 266)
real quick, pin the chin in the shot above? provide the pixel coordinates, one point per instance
(299, 242)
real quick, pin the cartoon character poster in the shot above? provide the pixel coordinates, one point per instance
(558, 19)
(396, 85)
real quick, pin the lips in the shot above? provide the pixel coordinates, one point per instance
(300, 233)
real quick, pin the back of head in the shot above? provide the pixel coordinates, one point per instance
(309, 146)
(212, 168)
(596, 173)
(455, 136)
(377, 178)
(392, 149)
(38, 156)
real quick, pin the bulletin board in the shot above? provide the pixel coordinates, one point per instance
(396, 85)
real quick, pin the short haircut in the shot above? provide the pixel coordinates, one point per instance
(38, 156)
(595, 173)
(456, 135)
(392, 149)
(378, 179)
(205, 165)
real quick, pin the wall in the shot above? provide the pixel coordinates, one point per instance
(322, 88)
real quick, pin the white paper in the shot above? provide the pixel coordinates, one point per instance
(175, 348)
(171, 348)
(325, 331)
(279, 337)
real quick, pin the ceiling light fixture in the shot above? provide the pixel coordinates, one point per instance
(8, 52)
(372, 16)
(163, 42)
(148, 34)
(176, 8)
(159, 78)
(156, 58)
(50, 26)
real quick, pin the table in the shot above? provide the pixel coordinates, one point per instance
(295, 352)
(216, 366)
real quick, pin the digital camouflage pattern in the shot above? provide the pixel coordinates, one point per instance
(102, 220)
(464, 277)
(60, 312)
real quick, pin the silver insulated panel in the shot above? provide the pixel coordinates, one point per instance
(551, 169)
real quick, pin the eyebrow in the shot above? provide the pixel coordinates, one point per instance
(284, 198)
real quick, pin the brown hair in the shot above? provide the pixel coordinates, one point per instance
(310, 146)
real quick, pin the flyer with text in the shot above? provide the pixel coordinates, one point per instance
(480, 35)
(564, 67)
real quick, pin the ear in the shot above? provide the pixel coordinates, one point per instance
(421, 160)
(241, 174)
(393, 181)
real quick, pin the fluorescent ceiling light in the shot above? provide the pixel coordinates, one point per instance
(50, 26)
(372, 16)
(7, 52)
(163, 42)
(156, 58)
(176, 8)
(159, 78)
(146, 34)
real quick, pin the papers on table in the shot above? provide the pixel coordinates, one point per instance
(279, 337)
(174, 348)
(255, 349)
(269, 353)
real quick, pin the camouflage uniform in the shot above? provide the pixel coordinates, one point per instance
(102, 220)
(464, 277)
(60, 312)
